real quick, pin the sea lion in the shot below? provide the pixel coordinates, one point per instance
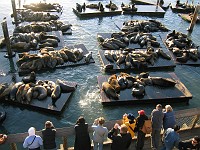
(30, 78)
(41, 91)
(29, 94)
(114, 76)
(109, 90)
(114, 83)
(65, 86)
(165, 82)
(19, 97)
(108, 56)
(138, 89)
(56, 92)
(88, 56)
(70, 54)
(163, 54)
(14, 90)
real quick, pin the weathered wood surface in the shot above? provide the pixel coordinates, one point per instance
(153, 94)
(147, 10)
(188, 17)
(96, 13)
(179, 9)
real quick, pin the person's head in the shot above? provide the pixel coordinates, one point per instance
(168, 108)
(130, 116)
(81, 120)
(195, 140)
(123, 129)
(159, 106)
(141, 112)
(48, 124)
(101, 120)
(177, 128)
(31, 131)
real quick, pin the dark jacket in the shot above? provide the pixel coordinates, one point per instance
(119, 141)
(184, 145)
(82, 138)
(140, 122)
(48, 136)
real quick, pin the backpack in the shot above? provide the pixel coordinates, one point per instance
(147, 127)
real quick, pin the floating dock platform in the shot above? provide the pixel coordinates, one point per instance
(153, 94)
(46, 105)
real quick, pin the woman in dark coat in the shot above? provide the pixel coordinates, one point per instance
(82, 138)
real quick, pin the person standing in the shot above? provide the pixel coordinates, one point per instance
(32, 141)
(157, 121)
(138, 127)
(171, 138)
(82, 138)
(122, 140)
(49, 135)
(169, 120)
(100, 133)
(193, 143)
(129, 121)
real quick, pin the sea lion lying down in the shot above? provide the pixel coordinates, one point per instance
(109, 90)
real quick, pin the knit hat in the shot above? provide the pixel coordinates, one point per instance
(141, 112)
(130, 116)
(31, 131)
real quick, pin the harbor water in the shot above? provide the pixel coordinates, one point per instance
(86, 99)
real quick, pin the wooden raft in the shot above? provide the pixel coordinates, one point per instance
(160, 63)
(179, 9)
(189, 62)
(96, 13)
(147, 10)
(134, 45)
(188, 18)
(45, 105)
(66, 64)
(153, 94)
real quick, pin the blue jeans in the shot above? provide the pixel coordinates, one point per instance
(98, 146)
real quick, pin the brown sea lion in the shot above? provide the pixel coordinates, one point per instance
(56, 92)
(19, 97)
(14, 90)
(109, 90)
(114, 83)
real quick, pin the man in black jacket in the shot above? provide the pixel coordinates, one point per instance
(48, 135)
(122, 140)
(190, 144)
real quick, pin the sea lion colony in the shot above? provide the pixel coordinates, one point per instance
(25, 92)
(122, 40)
(49, 59)
(182, 47)
(143, 26)
(132, 58)
(122, 81)
(28, 15)
(22, 42)
(44, 7)
(53, 25)
(81, 8)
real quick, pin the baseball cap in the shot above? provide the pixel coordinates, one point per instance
(141, 112)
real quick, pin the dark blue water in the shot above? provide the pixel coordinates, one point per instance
(86, 99)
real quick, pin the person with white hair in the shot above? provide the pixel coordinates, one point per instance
(169, 120)
(32, 141)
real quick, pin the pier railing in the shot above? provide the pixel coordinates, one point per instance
(188, 120)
